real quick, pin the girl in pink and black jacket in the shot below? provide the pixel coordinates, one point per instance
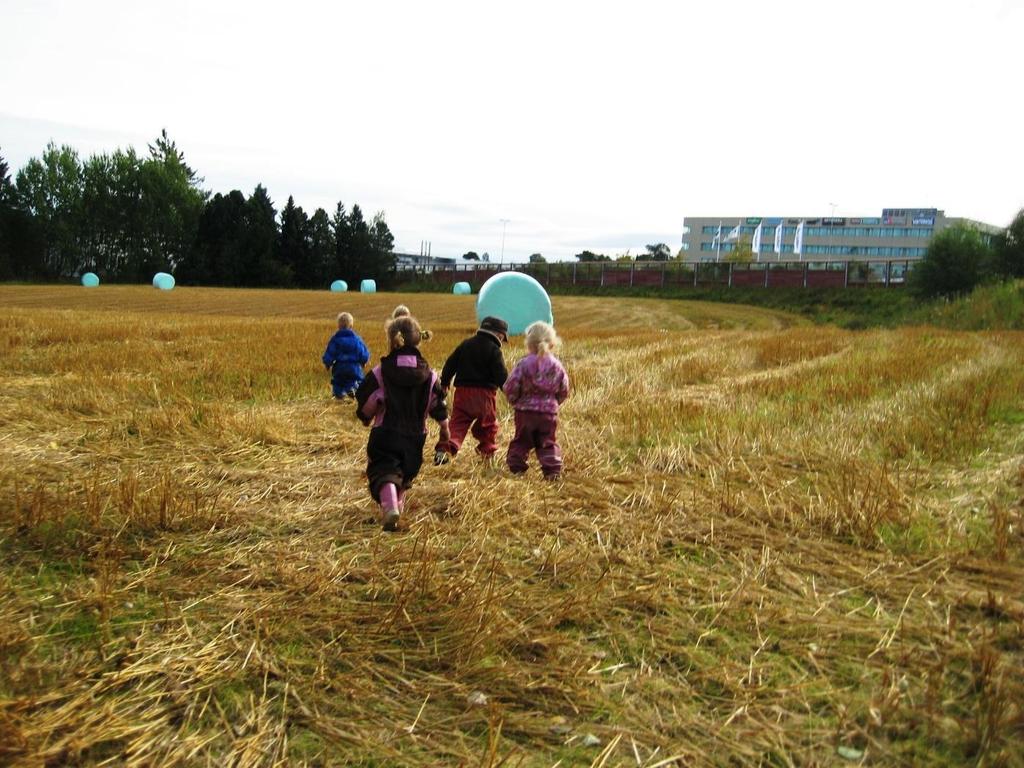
(396, 399)
(535, 388)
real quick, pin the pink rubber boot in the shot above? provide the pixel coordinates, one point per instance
(390, 507)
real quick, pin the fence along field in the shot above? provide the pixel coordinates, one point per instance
(774, 544)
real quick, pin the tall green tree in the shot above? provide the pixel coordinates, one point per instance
(217, 256)
(99, 226)
(658, 252)
(110, 228)
(342, 266)
(7, 191)
(358, 256)
(365, 249)
(1009, 248)
(50, 191)
(321, 248)
(22, 245)
(259, 244)
(381, 260)
(293, 247)
(957, 260)
(172, 204)
(7, 202)
(587, 256)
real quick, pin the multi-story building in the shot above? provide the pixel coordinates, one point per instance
(899, 233)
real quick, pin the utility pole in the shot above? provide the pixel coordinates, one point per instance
(504, 223)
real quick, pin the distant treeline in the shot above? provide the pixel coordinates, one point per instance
(125, 216)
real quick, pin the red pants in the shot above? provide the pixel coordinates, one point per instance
(474, 407)
(535, 431)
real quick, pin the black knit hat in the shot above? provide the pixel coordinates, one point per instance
(495, 325)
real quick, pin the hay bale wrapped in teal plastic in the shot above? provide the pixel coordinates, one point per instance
(339, 286)
(163, 281)
(368, 286)
(90, 280)
(516, 298)
(461, 289)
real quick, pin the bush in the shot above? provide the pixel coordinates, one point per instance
(990, 307)
(1009, 259)
(956, 261)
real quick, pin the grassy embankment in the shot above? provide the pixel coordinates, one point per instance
(994, 307)
(774, 543)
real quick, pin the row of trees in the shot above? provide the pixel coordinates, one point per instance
(126, 216)
(239, 243)
(535, 258)
(652, 252)
(960, 258)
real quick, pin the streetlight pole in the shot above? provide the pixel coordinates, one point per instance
(504, 223)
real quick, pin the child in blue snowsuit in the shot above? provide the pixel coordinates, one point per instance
(345, 356)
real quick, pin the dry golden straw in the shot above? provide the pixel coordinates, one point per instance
(774, 544)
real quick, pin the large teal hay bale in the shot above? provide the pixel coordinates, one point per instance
(368, 286)
(90, 280)
(163, 281)
(462, 289)
(516, 298)
(339, 286)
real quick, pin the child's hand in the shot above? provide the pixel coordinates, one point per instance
(445, 434)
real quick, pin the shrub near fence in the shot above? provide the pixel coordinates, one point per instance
(675, 274)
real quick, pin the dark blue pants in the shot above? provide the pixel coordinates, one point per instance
(343, 383)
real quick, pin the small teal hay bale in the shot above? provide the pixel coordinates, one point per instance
(90, 280)
(368, 286)
(339, 286)
(462, 289)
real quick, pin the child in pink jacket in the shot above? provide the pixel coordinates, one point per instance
(535, 388)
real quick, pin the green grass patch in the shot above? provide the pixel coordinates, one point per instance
(921, 535)
(989, 307)
(80, 627)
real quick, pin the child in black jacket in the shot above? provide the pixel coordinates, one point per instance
(398, 397)
(478, 368)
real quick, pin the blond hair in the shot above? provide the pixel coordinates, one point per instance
(403, 311)
(541, 338)
(345, 320)
(404, 331)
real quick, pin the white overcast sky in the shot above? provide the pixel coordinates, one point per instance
(595, 125)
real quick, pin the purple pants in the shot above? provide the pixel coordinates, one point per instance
(535, 431)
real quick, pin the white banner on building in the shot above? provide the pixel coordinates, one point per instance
(778, 238)
(798, 240)
(755, 244)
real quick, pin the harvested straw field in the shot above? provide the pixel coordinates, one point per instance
(773, 544)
